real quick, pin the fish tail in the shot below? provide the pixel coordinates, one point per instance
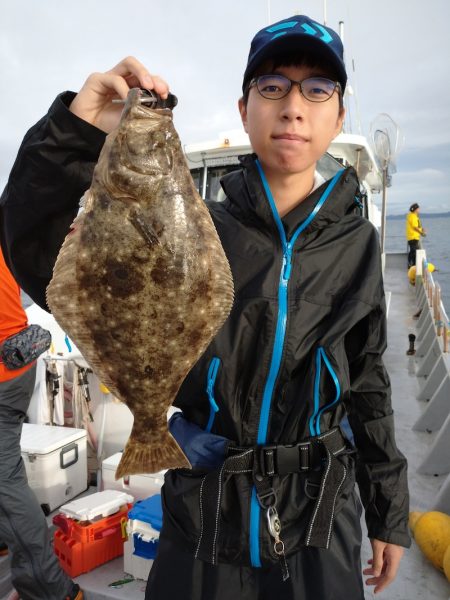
(147, 457)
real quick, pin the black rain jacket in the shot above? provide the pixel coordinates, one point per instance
(301, 348)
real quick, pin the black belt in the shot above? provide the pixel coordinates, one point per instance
(280, 460)
(265, 462)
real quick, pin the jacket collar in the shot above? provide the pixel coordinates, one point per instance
(247, 199)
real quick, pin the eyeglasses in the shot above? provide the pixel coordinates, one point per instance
(314, 89)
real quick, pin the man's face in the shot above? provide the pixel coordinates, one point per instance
(291, 134)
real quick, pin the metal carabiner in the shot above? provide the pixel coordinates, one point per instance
(273, 522)
(152, 100)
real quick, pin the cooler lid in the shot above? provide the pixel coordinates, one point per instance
(149, 511)
(100, 504)
(112, 462)
(43, 439)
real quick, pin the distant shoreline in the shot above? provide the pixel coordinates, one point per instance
(422, 216)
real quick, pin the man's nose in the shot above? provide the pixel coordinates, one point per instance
(293, 106)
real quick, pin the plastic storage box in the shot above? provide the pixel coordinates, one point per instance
(144, 525)
(139, 486)
(91, 531)
(55, 462)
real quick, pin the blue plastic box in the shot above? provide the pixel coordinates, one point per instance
(147, 511)
(144, 549)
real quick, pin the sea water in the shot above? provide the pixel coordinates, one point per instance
(436, 244)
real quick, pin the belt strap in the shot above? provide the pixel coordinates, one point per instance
(265, 462)
(321, 523)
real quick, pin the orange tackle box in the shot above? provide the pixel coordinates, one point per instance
(87, 534)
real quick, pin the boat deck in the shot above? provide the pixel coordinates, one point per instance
(417, 578)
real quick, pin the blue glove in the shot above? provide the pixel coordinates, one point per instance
(203, 450)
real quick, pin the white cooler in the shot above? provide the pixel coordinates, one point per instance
(139, 486)
(56, 463)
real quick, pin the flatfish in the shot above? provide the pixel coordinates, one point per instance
(141, 283)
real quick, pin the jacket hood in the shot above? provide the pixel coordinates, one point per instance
(248, 200)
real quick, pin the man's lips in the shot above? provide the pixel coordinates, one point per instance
(291, 137)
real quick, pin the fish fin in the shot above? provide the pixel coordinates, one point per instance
(148, 457)
(137, 219)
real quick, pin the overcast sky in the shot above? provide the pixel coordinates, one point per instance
(399, 48)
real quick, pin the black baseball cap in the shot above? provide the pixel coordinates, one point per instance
(293, 35)
(413, 207)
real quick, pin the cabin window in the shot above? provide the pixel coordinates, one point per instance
(213, 188)
(328, 166)
(197, 176)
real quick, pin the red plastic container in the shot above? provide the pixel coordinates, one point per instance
(84, 545)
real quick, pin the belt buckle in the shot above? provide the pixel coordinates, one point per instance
(305, 456)
(262, 460)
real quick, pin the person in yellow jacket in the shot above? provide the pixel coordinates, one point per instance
(414, 230)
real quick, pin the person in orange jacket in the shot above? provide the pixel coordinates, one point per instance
(36, 573)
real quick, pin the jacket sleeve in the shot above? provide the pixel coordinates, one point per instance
(52, 170)
(381, 470)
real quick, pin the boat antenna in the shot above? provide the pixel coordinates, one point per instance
(348, 89)
(358, 115)
(387, 140)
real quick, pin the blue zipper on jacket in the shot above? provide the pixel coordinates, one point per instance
(314, 421)
(210, 382)
(280, 333)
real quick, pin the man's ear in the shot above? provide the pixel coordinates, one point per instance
(243, 111)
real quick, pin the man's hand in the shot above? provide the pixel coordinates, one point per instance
(93, 103)
(384, 564)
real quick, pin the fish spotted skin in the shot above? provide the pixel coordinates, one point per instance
(141, 283)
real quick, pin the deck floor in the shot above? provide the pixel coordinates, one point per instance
(417, 578)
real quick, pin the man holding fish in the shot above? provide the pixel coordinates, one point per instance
(268, 507)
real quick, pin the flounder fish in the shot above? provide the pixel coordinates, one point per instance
(141, 283)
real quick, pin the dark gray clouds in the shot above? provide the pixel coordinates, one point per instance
(400, 49)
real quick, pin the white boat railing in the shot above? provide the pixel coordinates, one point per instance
(433, 292)
(433, 371)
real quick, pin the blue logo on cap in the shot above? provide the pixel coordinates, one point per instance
(279, 27)
(309, 29)
(287, 25)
